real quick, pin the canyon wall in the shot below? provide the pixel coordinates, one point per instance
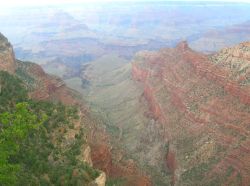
(7, 58)
(204, 106)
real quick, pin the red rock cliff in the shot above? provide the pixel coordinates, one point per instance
(203, 102)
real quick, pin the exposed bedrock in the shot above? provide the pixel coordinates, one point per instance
(204, 105)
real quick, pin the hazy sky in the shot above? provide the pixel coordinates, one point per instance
(8, 5)
(14, 3)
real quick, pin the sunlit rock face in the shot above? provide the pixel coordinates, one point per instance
(7, 58)
(203, 102)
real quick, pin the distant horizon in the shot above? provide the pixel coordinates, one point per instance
(11, 6)
(25, 3)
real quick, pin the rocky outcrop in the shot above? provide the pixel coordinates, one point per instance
(86, 156)
(101, 180)
(203, 103)
(7, 58)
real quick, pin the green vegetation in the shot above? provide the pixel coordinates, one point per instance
(12, 91)
(14, 129)
(24, 76)
(34, 149)
(115, 182)
(197, 173)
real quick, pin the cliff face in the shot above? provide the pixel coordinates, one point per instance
(203, 103)
(7, 58)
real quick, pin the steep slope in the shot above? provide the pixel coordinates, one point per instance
(43, 86)
(182, 116)
(62, 138)
(75, 143)
(204, 108)
(112, 94)
(109, 101)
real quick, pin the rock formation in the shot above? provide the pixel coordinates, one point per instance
(7, 58)
(203, 102)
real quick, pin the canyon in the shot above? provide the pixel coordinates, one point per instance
(98, 152)
(178, 112)
(203, 104)
(161, 90)
(187, 112)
